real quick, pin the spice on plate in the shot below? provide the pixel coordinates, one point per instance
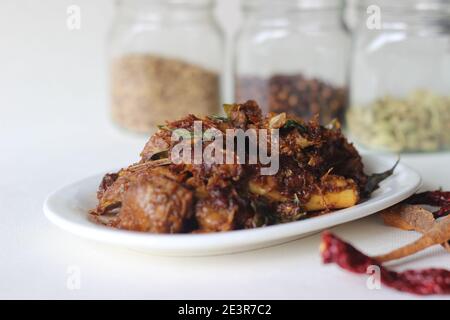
(419, 122)
(421, 282)
(148, 89)
(295, 94)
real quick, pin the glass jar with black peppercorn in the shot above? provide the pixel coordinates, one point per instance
(166, 60)
(292, 56)
(400, 81)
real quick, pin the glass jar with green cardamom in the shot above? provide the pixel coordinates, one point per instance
(400, 79)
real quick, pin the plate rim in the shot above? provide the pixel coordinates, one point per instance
(223, 241)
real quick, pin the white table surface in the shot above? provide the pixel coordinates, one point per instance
(54, 129)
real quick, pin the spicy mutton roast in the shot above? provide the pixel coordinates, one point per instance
(319, 171)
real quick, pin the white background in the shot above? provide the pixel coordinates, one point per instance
(54, 128)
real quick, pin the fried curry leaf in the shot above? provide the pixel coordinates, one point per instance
(162, 154)
(373, 182)
(263, 215)
(290, 124)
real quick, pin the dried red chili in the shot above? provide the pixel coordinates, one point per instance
(422, 282)
(433, 198)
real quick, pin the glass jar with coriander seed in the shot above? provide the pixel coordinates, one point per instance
(166, 59)
(292, 56)
(400, 80)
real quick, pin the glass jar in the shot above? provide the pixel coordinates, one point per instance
(292, 56)
(166, 59)
(400, 82)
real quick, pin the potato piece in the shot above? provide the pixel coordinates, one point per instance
(333, 200)
(266, 190)
(346, 194)
(336, 193)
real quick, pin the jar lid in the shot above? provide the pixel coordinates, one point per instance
(299, 4)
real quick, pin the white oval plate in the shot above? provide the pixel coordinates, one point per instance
(68, 208)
